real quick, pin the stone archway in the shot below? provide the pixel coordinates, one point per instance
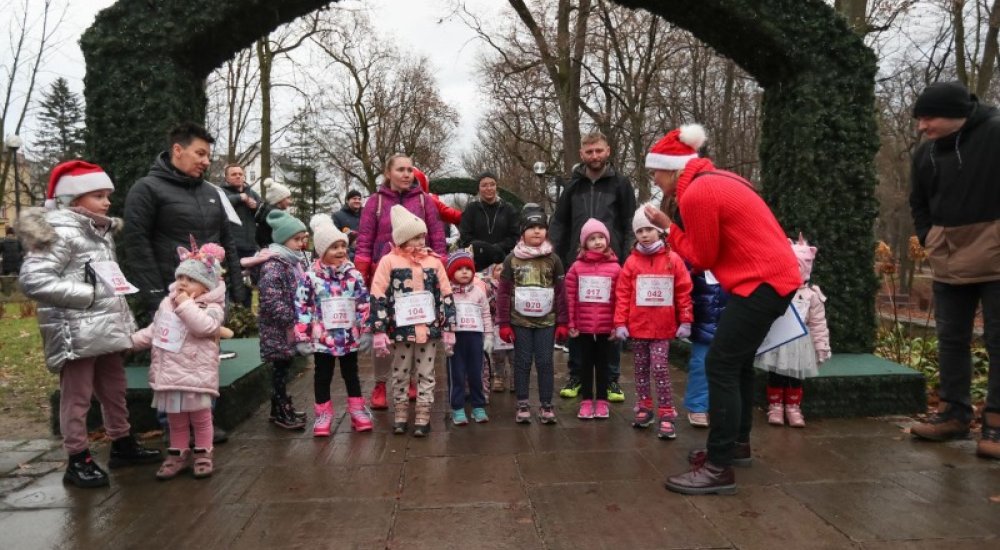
(147, 63)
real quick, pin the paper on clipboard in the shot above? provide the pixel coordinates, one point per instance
(230, 211)
(786, 328)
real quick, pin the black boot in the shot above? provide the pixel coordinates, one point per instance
(297, 413)
(284, 415)
(126, 451)
(83, 472)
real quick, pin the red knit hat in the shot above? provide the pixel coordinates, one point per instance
(74, 178)
(676, 148)
(421, 179)
(457, 260)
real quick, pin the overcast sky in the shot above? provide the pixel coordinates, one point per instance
(420, 27)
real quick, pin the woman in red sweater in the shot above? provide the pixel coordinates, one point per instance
(723, 225)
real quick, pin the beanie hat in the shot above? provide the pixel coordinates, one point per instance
(640, 220)
(532, 215)
(944, 99)
(590, 227)
(325, 233)
(284, 226)
(202, 264)
(352, 193)
(74, 178)
(405, 225)
(676, 148)
(457, 260)
(421, 178)
(275, 191)
(486, 174)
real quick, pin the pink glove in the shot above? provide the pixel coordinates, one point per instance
(621, 334)
(683, 331)
(380, 342)
(449, 343)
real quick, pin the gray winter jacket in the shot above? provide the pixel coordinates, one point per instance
(78, 316)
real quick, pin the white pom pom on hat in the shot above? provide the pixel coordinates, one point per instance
(325, 233)
(676, 148)
(74, 178)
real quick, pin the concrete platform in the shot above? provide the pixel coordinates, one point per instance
(838, 483)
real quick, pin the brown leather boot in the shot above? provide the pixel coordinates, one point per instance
(941, 426)
(989, 441)
(707, 479)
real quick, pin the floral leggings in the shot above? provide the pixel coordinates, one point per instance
(652, 355)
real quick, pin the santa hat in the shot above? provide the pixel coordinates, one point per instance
(325, 233)
(75, 178)
(676, 148)
(457, 260)
(422, 179)
(640, 219)
(405, 225)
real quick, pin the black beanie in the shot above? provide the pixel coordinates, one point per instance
(532, 215)
(944, 99)
(353, 193)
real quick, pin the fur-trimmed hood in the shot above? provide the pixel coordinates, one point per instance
(36, 226)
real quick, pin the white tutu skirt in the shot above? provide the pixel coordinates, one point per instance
(796, 359)
(181, 401)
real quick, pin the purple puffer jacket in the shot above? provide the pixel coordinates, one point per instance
(276, 318)
(375, 230)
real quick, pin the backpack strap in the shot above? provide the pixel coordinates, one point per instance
(729, 175)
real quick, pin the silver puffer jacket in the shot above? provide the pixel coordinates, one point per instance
(77, 317)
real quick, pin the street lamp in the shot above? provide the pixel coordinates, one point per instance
(539, 170)
(13, 143)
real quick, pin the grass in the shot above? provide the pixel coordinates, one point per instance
(25, 383)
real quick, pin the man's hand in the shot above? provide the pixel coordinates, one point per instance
(248, 200)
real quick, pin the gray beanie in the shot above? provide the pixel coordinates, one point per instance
(202, 264)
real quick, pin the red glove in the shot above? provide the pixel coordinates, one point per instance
(365, 267)
(562, 333)
(507, 334)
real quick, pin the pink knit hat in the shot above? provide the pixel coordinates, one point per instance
(592, 226)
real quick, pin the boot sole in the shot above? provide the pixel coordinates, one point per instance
(86, 484)
(719, 490)
(640, 425)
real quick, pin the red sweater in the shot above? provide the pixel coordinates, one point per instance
(730, 230)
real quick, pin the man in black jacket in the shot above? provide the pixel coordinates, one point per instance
(489, 225)
(167, 207)
(955, 201)
(348, 218)
(596, 190)
(245, 202)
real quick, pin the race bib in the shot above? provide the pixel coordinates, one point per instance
(111, 275)
(469, 317)
(338, 312)
(169, 332)
(595, 290)
(415, 308)
(533, 301)
(654, 290)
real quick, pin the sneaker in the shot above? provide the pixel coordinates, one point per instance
(571, 389)
(479, 415)
(643, 414)
(498, 384)
(83, 472)
(323, 419)
(698, 420)
(378, 400)
(776, 414)
(941, 427)
(794, 415)
(586, 410)
(602, 409)
(361, 418)
(561, 347)
(523, 415)
(177, 461)
(666, 429)
(458, 417)
(615, 393)
(546, 414)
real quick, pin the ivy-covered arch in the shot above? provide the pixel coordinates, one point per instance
(147, 63)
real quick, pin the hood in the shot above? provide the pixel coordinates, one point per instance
(163, 169)
(36, 226)
(592, 257)
(692, 169)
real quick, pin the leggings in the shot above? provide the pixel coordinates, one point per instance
(652, 355)
(323, 375)
(776, 380)
(595, 352)
(534, 344)
(180, 426)
(279, 375)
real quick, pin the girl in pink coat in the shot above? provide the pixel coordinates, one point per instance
(590, 285)
(184, 373)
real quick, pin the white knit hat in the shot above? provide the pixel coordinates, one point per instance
(274, 191)
(325, 233)
(405, 225)
(640, 220)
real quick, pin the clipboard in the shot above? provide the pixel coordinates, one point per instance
(786, 328)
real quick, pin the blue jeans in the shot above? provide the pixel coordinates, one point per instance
(696, 395)
(614, 360)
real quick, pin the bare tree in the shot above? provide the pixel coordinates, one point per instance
(234, 107)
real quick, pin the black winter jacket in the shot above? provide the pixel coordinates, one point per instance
(245, 234)
(610, 199)
(491, 230)
(13, 255)
(345, 217)
(163, 210)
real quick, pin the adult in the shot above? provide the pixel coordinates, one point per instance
(723, 225)
(245, 202)
(348, 218)
(955, 201)
(168, 207)
(597, 190)
(448, 215)
(489, 225)
(278, 197)
(13, 254)
(375, 237)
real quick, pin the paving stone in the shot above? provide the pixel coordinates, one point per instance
(365, 448)
(287, 452)
(950, 544)
(49, 492)
(585, 466)
(138, 486)
(10, 444)
(38, 468)
(11, 460)
(10, 484)
(494, 527)
(36, 529)
(337, 524)
(39, 445)
(185, 523)
(470, 440)
(964, 492)
(458, 480)
(325, 482)
(620, 514)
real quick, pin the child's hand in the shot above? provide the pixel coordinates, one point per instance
(823, 355)
(225, 333)
(684, 331)
(181, 297)
(381, 344)
(561, 333)
(507, 334)
(488, 344)
(573, 333)
(621, 334)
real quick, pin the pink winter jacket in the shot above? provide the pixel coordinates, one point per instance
(592, 317)
(808, 301)
(195, 368)
(474, 293)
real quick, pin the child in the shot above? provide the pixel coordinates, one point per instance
(590, 287)
(332, 308)
(798, 359)
(82, 314)
(184, 372)
(531, 284)
(652, 306)
(279, 276)
(473, 337)
(502, 359)
(412, 307)
(708, 300)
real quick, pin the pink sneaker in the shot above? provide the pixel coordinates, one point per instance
(324, 419)
(361, 419)
(794, 415)
(586, 410)
(776, 414)
(602, 410)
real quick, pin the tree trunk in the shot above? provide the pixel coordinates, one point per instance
(855, 12)
(989, 52)
(265, 59)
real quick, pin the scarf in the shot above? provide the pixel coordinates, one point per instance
(290, 256)
(525, 252)
(101, 222)
(651, 249)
